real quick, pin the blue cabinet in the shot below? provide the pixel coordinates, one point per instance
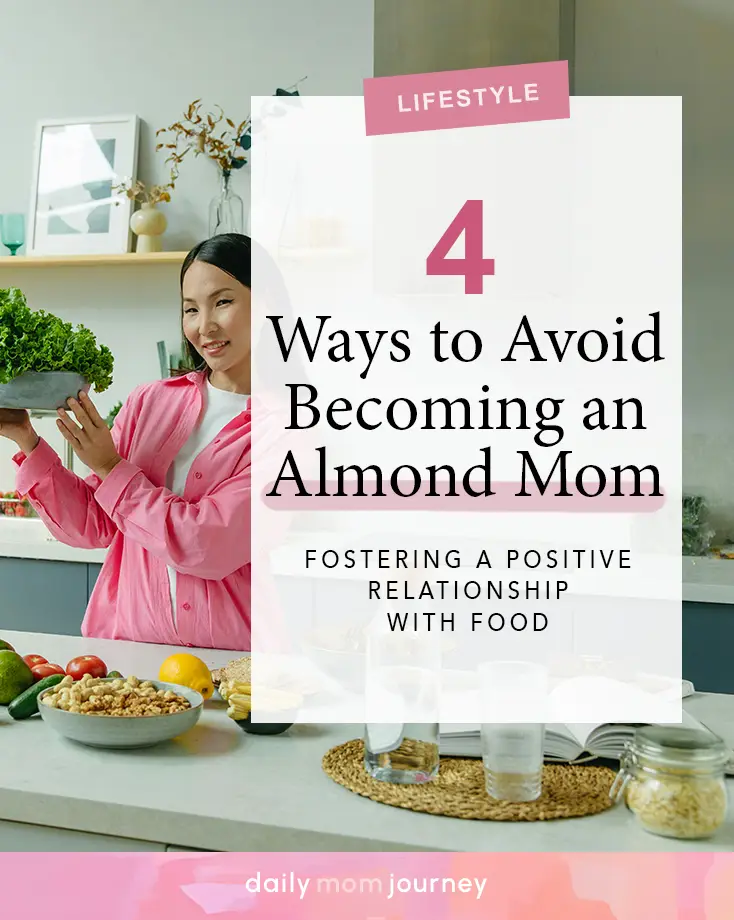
(44, 596)
(93, 570)
(708, 642)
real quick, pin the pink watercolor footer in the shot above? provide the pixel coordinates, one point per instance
(380, 886)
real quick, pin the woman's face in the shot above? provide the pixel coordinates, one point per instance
(216, 317)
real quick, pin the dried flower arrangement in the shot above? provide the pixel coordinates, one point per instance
(139, 191)
(228, 148)
(201, 133)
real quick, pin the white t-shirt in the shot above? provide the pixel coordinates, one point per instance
(220, 407)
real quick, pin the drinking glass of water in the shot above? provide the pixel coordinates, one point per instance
(406, 754)
(12, 231)
(402, 705)
(514, 707)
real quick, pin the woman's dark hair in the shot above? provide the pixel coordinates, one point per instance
(232, 253)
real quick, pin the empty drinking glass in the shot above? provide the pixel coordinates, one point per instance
(513, 761)
(514, 708)
(12, 231)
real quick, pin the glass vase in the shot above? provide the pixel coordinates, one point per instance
(227, 210)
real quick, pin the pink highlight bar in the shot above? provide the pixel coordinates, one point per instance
(467, 98)
(506, 498)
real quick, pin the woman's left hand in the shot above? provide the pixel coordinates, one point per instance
(92, 442)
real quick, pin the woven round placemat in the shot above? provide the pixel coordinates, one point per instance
(459, 792)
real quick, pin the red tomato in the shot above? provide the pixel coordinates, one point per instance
(86, 664)
(46, 670)
(33, 660)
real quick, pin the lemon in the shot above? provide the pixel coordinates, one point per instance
(188, 671)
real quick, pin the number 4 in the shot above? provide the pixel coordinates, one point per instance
(473, 266)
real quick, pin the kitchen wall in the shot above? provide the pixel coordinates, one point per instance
(686, 47)
(85, 58)
(422, 36)
(628, 47)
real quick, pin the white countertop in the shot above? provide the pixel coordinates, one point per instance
(708, 580)
(216, 788)
(28, 538)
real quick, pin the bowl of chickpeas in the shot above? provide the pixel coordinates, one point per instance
(121, 712)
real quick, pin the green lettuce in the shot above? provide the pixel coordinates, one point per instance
(38, 341)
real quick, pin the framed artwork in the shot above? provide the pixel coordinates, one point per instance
(74, 210)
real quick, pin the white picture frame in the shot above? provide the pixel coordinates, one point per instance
(73, 210)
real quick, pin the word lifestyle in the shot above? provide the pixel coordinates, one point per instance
(468, 98)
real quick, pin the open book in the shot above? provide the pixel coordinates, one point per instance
(563, 743)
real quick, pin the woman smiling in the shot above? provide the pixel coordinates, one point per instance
(169, 492)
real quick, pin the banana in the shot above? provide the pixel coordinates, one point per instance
(227, 688)
(239, 696)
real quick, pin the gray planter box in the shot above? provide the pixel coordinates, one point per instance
(48, 390)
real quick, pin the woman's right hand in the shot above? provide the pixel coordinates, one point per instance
(15, 424)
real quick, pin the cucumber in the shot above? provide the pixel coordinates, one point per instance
(26, 705)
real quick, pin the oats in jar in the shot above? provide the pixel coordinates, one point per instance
(673, 781)
(681, 805)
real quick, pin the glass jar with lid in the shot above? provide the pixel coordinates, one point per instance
(673, 780)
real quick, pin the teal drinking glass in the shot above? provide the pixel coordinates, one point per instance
(12, 231)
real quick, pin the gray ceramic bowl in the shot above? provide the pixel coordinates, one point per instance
(47, 391)
(124, 731)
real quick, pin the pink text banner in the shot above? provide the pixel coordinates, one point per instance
(467, 98)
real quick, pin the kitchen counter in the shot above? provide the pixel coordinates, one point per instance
(28, 538)
(216, 788)
(708, 580)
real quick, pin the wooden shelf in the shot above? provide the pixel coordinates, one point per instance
(123, 258)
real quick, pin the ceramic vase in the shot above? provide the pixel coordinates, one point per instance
(148, 224)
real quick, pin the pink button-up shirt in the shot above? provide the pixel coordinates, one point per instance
(204, 535)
